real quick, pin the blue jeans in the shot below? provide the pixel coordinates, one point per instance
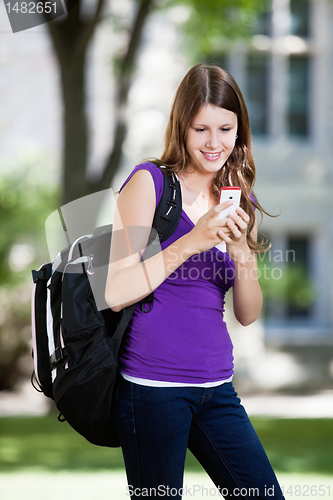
(156, 425)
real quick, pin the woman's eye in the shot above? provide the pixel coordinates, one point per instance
(223, 129)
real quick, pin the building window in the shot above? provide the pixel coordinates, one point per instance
(299, 11)
(299, 288)
(263, 23)
(256, 92)
(260, 61)
(298, 112)
(285, 279)
(274, 70)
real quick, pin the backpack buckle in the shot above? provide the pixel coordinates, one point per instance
(90, 267)
(56, 357)
(171, 204)
(149, 302)
(41, 274)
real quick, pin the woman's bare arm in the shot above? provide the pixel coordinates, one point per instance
(130, 280)
(247, 296)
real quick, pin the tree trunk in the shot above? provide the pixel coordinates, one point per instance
(123, 85)
(70, 40)
(75, 130)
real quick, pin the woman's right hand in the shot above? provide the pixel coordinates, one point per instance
(204, 235)
(130, 280)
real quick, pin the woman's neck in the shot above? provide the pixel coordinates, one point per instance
(198, 182)
(197, 198)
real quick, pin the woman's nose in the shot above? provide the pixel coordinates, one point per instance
(212, 141)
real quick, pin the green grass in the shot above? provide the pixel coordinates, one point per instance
(45, 443)
(298, 445)
(42, 443)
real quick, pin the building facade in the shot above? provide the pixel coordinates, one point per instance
(286, 74)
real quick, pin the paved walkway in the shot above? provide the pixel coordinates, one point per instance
(318, 405)
(112, 486)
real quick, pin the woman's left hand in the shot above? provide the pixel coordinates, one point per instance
(236, 242)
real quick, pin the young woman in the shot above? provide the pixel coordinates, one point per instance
(176, 363)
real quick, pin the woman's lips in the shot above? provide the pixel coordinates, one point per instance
(212, 156)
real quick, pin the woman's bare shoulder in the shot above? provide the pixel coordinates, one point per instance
(137, 200)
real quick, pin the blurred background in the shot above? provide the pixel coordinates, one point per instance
(85, 98)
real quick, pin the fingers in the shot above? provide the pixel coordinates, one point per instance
(230, 229)
(241, 219)
(243, 214)
(224, 236)
(237, 224)
(234, 229)
(222, 206)
(234, 233)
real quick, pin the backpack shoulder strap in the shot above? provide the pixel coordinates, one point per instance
(168, 211)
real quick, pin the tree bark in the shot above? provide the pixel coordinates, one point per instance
(123, 85)
(70, 39)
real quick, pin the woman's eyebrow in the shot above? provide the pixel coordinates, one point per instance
(203, 125)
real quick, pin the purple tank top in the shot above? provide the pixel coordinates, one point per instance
(184, 337)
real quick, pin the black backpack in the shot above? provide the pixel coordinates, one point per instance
(76, 336)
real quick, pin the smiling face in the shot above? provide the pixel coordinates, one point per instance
(211, 138)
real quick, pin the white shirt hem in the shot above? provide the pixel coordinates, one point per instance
(160, 383)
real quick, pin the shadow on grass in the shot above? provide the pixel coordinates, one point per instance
(42, 443)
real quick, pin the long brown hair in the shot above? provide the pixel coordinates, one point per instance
(202, 85)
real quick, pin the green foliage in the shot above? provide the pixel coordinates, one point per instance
(26, 199)
(293, 445)
(288, 282)
(212, 24)
(15, 335)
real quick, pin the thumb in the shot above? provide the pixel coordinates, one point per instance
(222, 206)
